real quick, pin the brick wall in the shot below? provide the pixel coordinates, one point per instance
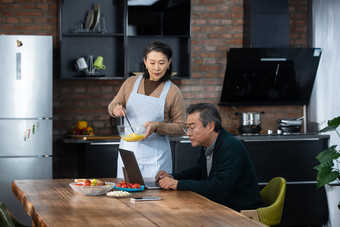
(216, 26)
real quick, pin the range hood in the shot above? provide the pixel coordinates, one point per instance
(267, 71)
(269, 76)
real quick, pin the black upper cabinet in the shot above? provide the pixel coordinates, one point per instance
(163, 18)
(119, 33)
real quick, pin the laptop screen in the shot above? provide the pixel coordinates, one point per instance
(132, 173)
(131, 167)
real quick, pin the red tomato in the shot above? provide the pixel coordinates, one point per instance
(123, 184)
(87, 182)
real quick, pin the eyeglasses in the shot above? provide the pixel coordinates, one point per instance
(191, 130)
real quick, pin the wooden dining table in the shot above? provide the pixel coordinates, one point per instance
(53, 202)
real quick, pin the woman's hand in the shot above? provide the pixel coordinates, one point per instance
(151, 127)
(118, 111)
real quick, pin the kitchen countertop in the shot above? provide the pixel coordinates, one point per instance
(282, 137)
(254, 138)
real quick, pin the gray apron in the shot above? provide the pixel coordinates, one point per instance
(152, 154)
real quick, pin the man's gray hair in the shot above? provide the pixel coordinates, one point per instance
(208, 113)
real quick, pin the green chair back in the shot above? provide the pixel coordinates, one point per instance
(7, 219)
(273, 196)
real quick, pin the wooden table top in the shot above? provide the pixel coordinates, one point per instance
(54, 203)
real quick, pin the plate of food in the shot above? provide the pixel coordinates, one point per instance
(129, 187)
(91, 187)
(118, 194)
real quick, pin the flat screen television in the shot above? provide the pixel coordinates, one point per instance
(269, 76)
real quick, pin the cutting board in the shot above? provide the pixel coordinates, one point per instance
(88, 137)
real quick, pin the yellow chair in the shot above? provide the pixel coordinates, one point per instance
(273, 196)
(7, 219)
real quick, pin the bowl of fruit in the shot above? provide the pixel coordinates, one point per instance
(81, 128)
(132, 133)
(91, 187)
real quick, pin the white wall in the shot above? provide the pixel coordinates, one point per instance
(325, 99)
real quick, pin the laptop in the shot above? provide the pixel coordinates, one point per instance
(132, 172)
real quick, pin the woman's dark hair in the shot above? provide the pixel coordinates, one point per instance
(162, 47)
(208, 112)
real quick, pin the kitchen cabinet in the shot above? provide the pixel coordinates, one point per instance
(184, 155)
(100, 160)
(123, 29)
(77, 157)
(294, 159)
(84, 158)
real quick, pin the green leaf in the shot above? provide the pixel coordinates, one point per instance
(327, 172)
(328, 155)
(325, 176)
(334, 122)
(328, 129)
(324, 165)
(332, 125)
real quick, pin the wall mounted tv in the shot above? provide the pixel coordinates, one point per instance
(269, 76)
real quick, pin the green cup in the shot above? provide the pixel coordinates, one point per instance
(98, 63)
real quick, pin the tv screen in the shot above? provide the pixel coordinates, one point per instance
(269, 76)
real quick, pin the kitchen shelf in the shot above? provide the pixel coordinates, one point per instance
(95, 78)
(127, 30)
(93, 34)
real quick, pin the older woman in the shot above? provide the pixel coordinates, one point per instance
(151, 99)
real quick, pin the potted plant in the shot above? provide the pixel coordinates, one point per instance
(328, 169)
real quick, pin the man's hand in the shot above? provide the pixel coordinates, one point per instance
(161, 174)
(168, 183)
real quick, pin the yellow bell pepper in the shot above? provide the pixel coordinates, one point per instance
(81, 125)
(90, 131)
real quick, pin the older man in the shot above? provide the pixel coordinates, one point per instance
(224, 172)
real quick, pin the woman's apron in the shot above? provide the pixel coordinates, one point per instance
(152, 154)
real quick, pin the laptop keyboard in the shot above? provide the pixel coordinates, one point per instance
(151, 184)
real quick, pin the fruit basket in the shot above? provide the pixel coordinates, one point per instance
(92, 190)
(81, 128)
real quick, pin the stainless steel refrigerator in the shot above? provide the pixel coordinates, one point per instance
(25, 114)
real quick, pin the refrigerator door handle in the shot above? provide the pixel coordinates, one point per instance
(18, 66)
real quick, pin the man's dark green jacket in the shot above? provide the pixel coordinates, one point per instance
(232, 180)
